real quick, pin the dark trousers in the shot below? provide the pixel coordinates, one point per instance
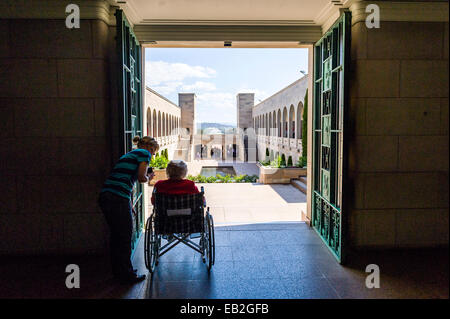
(117, 211)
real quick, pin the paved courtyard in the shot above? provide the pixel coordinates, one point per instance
(241, 203)
(254, 203)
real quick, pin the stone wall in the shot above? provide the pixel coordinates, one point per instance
(55, 115)
(399, 135)
(245, 102)
(268, 116)
(158, 107)
(186, 101)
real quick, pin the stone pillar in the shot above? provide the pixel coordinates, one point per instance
(398, 151)
(186, 101)
(245, 102)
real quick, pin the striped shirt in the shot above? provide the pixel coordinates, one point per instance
(124, 174)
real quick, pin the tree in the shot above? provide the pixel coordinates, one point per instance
(289, 162)
(305, 127)
(283, 160)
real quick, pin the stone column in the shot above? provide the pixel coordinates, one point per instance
(186, 101)
(398, 151)
(245, 102)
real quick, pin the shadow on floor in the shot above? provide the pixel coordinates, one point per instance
(289, 193)
(273, 260)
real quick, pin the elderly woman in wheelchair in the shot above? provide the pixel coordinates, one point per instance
(178, 216)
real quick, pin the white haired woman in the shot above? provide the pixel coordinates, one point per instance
(176, 184)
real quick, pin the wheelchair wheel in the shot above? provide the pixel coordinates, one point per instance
(151, 245)
(209, 242)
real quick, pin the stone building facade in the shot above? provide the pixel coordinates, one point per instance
(163, 121)
(278, 122)
(274, 124)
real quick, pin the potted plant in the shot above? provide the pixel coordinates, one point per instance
(159, 164)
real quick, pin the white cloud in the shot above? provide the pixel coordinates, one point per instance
(221, 106)
(157, 72)
(212, 106)
(219, 100)
(198, 86)
(167, 88)
(216, 107)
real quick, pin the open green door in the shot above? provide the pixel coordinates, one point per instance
(331, 63)
(130, 105)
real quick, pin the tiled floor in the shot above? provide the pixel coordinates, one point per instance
(263, 250)
(273, 260)
(288, 260)
(252, 261)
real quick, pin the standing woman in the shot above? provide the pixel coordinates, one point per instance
(115, 202)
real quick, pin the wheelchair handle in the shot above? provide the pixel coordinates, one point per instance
(203, 193)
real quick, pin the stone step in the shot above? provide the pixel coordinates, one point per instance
(299, 185)
(303, 179)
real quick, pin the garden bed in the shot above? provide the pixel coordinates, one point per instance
(224, 179)
(279, 175)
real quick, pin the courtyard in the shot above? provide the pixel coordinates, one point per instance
(241, 203)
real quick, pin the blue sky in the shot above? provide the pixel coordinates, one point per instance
(217, 75)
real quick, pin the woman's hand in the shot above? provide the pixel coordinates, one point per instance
(142, 172)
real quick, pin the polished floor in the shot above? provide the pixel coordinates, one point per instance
(273, 260)
(263, 250)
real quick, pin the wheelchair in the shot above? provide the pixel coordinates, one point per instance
(177, 219)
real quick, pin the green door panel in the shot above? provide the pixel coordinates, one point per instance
(130, 105)
(331, 61)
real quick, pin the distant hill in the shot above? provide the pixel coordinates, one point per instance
(214, 128)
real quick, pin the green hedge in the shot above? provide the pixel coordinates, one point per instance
(289, 162)
(159, 162)
(278, 162)
(283, 160)
(223, 179)
(301, 161)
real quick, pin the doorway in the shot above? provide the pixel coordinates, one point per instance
(321, 161)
